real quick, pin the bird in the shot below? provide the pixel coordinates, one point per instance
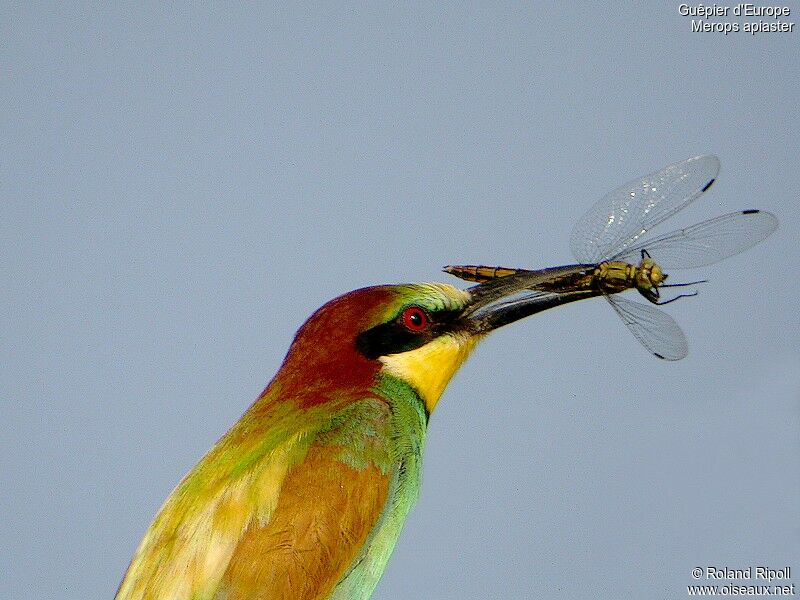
(305, 496)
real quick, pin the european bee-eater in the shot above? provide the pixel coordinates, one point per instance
(305, 496)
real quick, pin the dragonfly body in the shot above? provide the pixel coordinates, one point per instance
(608, 277)
(610, 242)
(613, 276)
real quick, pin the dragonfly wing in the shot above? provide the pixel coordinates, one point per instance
(655, 329)
(707, 242)
(621, 217)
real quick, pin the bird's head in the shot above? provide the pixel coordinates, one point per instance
(418, 333)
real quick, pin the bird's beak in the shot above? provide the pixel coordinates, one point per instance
(507, 299)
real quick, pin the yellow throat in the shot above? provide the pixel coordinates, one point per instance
(429, 368)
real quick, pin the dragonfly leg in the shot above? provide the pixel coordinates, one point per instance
(663, 285)
(678, 297)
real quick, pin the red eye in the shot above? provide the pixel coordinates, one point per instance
(415, 319)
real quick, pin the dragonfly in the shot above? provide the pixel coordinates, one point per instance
(614, 254)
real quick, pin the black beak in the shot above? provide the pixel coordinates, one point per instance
(507, 299)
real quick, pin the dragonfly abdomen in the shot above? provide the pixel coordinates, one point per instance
(480, 273)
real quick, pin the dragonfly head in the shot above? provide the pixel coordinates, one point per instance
(649, 275)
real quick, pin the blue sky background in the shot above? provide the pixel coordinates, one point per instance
(182, 187)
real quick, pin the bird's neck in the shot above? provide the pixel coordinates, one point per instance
(406, 441)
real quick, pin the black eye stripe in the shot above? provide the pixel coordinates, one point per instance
(394, 337)
(389, 338)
